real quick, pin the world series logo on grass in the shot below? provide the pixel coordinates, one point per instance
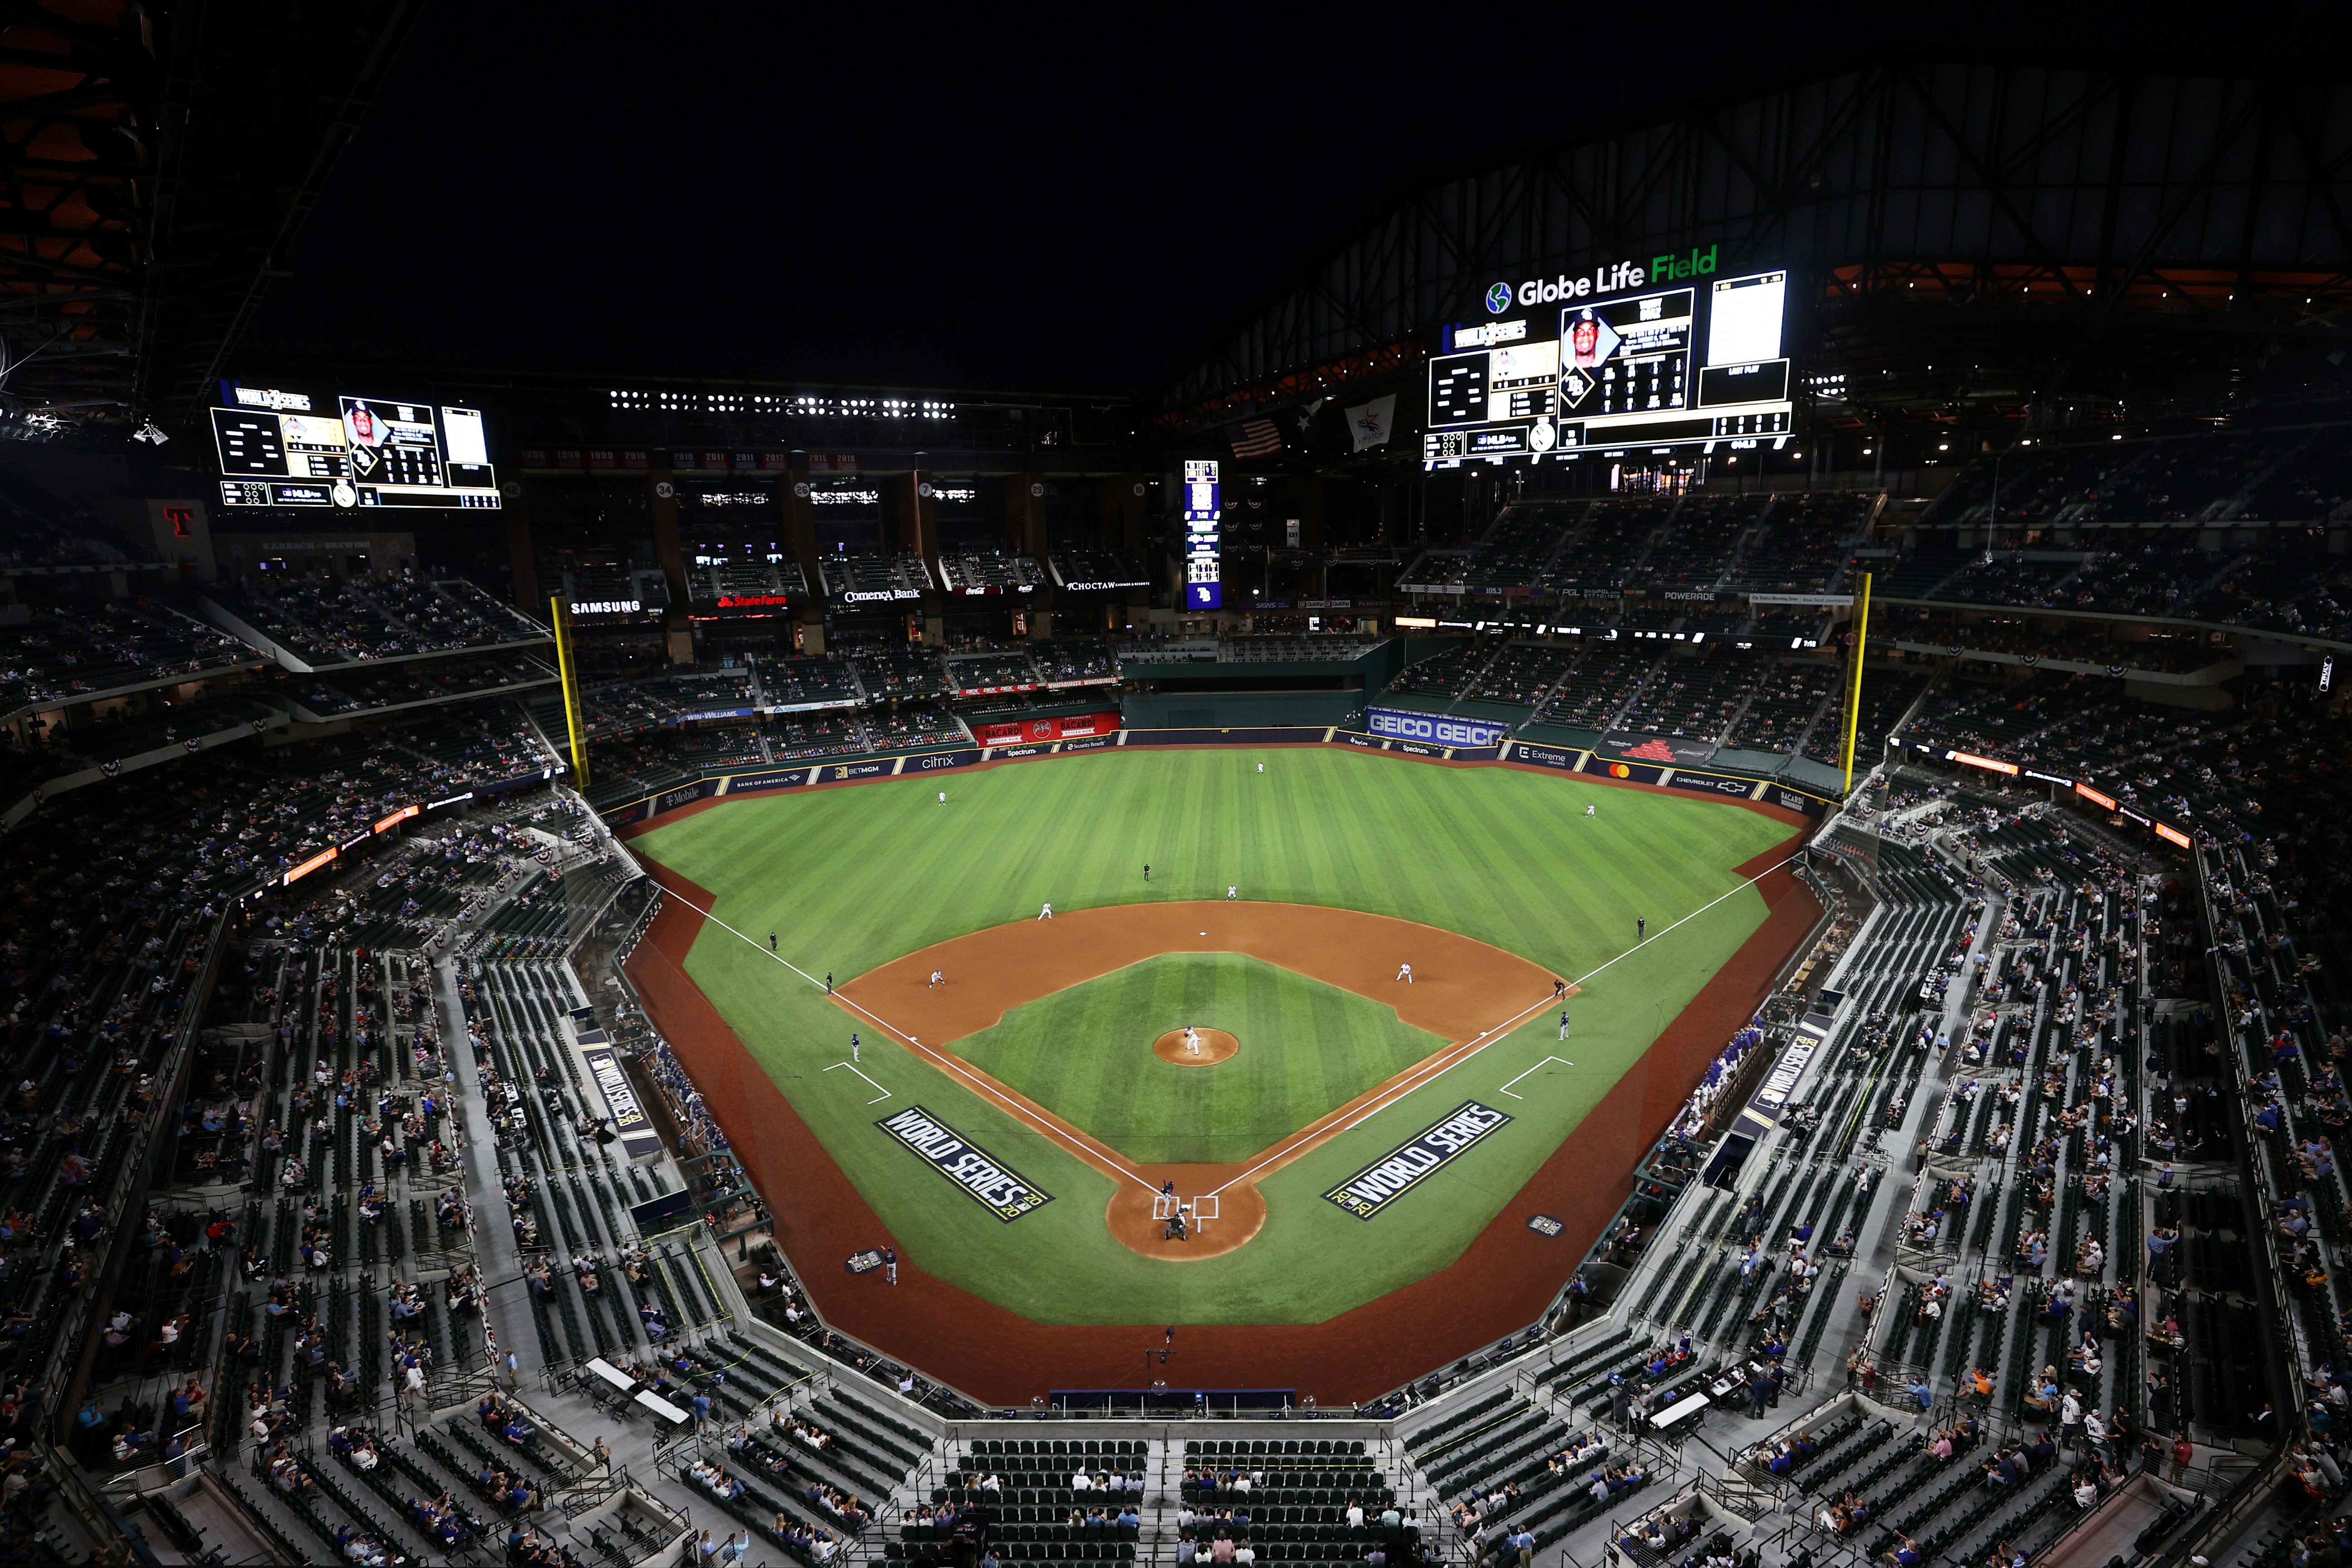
(1403, 1168)
(995, 1186)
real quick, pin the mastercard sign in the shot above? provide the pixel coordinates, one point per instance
(1620, 771)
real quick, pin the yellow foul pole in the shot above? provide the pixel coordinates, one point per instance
(571, 675)
(1853, 675)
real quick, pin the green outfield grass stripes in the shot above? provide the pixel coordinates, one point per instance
(1307, 1049)
(850, 879)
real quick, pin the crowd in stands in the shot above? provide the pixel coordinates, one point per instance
(327, 622)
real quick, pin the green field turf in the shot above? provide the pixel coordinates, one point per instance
(852, 878)
(1305, 1048)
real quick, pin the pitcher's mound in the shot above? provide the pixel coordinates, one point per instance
(1216, 1045)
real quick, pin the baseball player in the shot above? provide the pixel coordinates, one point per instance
(1261, 767)
(1563, 1025)
(1046, 914)
(890, 1264)
(1404, 973)
(1590, 812)
(943, 797)
(853, 1045)
(937, 978)
(1232, 893)
(1191, 1040)
(1558, 989)
(1147, 870)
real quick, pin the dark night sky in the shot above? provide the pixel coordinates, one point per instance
(1019, 203)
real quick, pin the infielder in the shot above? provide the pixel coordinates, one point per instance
(1046, 914)
(1404, 973)
(937, 978)
(1232, 893)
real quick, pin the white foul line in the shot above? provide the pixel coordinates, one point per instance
(946, 1062)
(1563, 1060)
(1428, 1074)
(886, 1094)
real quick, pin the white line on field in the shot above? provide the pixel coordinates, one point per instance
(1537, 1067)
(1439, 1066)
(886, 1094)
(946, 1063)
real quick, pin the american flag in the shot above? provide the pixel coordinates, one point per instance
(1257, 439)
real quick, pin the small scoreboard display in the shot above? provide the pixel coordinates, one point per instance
(280, 448)
(1204, 587)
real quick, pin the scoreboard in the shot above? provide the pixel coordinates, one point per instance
(280, 448)
(1204, 585)
(1651, 355)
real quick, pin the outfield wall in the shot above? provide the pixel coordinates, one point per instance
(1761, 790)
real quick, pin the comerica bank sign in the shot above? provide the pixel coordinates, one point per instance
(1609, 279)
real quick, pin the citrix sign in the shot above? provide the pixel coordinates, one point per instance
(1609, 279)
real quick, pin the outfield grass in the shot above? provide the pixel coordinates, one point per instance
(1307, 1049)
(852, 878)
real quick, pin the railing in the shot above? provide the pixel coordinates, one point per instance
(589, 1492)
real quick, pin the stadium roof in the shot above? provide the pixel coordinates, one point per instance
(1918, 197)
(159, 157)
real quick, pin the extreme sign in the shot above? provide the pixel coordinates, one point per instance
(994, 1185)
(1402, 1169)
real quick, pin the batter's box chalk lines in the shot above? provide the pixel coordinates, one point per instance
(945, 1063)
(882, 1096)
(1537, 1067)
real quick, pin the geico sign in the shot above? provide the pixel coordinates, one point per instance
(1443, 731)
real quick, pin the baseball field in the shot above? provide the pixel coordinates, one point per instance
(1020, 1126)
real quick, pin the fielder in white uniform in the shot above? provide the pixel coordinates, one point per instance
(1404, 973)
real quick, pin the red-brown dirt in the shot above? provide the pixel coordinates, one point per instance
(1213, 1045)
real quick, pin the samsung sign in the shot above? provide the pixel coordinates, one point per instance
(1399, 724)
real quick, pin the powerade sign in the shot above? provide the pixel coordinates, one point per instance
(1612, 278)
(1400, 724)
(992, 1185)
(1406, 1166)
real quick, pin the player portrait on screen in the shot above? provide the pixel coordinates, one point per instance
(362, 424)
(1584, 341)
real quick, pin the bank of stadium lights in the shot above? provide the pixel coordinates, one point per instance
(805, 405)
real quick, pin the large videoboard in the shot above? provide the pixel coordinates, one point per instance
(1631, 357)
(281, 448)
